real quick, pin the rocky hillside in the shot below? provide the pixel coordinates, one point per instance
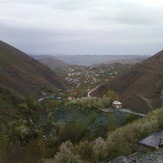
(141, 88)
(22, 75)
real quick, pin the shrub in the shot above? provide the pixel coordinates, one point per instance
(100, 149)
(65, 154)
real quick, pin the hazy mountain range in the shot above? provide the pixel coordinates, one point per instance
(89, 60)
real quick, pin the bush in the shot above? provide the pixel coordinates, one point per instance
(100, 149)
(72, 131)
(130, 118)
(86, 103)
(65, 154)
(122, 140)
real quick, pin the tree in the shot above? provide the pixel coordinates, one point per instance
(112, 122)
(130, 118)
(112, 95)
(65, 154)
(72, 131)
(100, 149)
(85, 150)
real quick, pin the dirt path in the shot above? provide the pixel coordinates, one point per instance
(148, 102)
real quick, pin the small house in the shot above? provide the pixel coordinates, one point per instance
(70, 98)
(116, 104)
(44, 94)
(52, 97)
(59, 98)
(151, 142)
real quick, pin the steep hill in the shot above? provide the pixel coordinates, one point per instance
(141, 88)
(22, 75)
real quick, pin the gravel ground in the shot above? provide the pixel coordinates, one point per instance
(156, 157)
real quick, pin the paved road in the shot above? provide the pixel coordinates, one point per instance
(40, 99)
(92, 90)
(130, 111)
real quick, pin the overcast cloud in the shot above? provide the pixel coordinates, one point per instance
(82, 26)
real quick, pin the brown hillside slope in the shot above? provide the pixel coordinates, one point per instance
(23, 75)
(140, 88)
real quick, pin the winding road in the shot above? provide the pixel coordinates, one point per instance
(92, 90)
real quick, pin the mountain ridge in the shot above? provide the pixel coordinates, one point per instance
(140, 88)
(23, 75)
(52, 62)
(89, 60)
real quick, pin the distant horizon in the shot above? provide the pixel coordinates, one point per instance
(46, 54)
(88, 60)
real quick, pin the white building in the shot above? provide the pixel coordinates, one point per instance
(116, 104)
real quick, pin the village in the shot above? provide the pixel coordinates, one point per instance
(82, 79)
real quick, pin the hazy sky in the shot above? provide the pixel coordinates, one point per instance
(83, 26)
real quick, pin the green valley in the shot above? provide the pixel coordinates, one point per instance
(66, 114)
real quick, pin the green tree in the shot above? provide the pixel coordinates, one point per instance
(85, 150)
(112, 95)
(65, 154)
(112, 122)
(130, 118)
(100, 149)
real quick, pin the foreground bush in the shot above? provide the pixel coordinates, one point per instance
(65, 154)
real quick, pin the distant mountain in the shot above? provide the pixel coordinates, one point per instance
(141, 88)
(22, 75)
(128, 61)
(119, 63)
(89, 60)
(52, 63)
(39, 56)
